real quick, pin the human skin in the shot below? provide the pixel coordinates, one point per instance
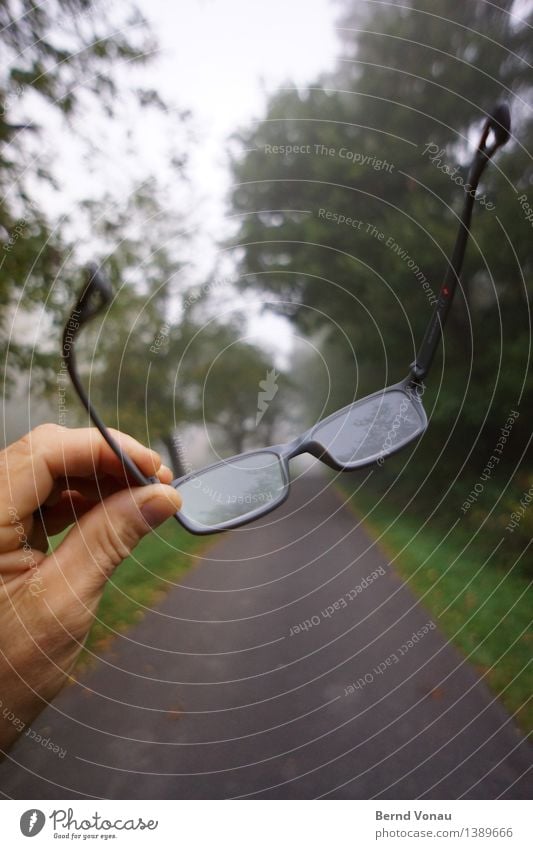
(48, 601)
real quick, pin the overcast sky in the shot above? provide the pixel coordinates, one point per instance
(221, 59)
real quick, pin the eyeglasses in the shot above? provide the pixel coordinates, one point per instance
(233, 492)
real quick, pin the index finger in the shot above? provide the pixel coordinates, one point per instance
(31, 465)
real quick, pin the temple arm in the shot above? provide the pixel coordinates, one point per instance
(95, 295)
(500, 125)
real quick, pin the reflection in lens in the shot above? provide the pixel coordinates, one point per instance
(371, 428)
(232, 490)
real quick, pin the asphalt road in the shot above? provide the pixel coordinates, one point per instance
(216, 694)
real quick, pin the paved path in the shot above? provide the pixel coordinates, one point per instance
(211, 697)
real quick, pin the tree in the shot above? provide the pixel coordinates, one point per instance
(241, 391)
(348, 221)
(158, 361)
(126, 355)
(347, 195)
(60, 58)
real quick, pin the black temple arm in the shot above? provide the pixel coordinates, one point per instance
(499, 123)
(95, 295)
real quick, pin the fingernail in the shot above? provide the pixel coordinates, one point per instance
(160, 508)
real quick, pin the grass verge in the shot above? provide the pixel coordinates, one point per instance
(484, 609)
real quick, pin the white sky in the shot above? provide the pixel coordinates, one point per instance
(221, 59)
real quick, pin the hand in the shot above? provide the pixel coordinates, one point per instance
(51, 478)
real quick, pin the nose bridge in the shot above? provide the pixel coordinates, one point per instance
(300, 445)
(305, 445)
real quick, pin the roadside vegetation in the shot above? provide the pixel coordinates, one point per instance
(478, 598)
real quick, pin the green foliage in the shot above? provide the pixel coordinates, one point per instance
(160, 377)
(126, 356)
(60, 58)
(229, 374)
(156, 362)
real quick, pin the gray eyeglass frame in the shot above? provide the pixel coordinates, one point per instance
(96, 295)
(307, 444)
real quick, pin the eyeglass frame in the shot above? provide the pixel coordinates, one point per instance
(96, 294)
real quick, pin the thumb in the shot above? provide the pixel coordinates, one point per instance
(109, 532)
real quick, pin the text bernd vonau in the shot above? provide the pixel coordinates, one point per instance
(416, 815)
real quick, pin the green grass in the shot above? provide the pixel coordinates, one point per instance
(483, 608)
(140, 582)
